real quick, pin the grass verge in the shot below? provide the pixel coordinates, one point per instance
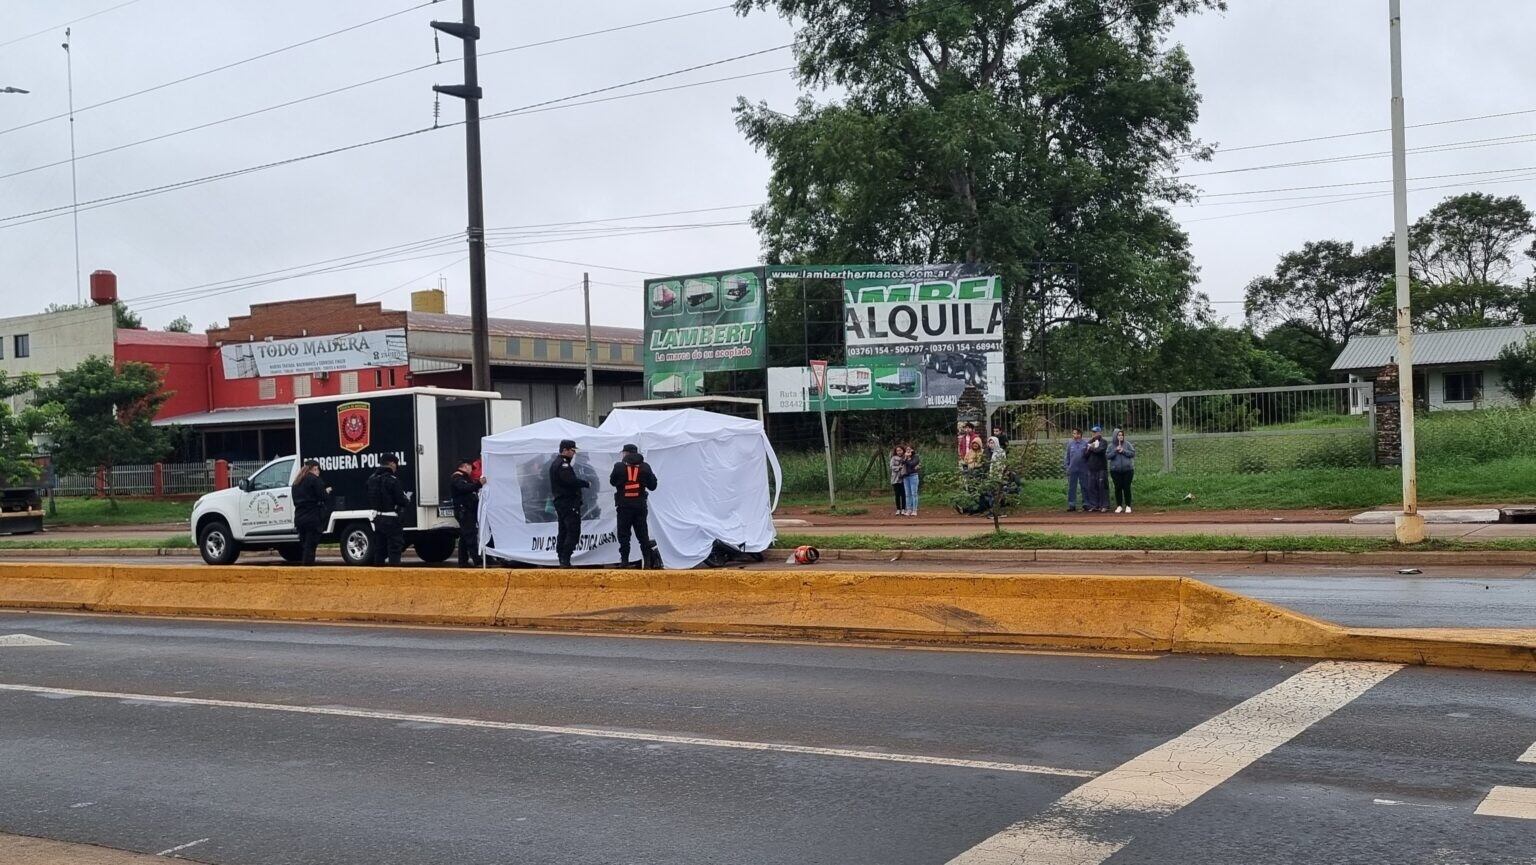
(177, 542)
(1196, 542)
(129, 512)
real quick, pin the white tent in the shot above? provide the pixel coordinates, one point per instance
(711, 485)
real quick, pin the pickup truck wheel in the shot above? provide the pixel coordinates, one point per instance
(217, 544)
(291, 553)
(357, 542)
(434, 547)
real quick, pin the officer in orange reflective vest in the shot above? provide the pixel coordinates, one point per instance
(632, 481)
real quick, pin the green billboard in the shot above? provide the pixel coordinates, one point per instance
(914, 336)
(708, 322)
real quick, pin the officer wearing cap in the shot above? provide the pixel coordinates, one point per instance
(565, 488)
(309, 499)
(632, 481)
(387, 498)
(464, 487)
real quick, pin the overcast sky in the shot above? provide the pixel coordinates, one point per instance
(1268, 71)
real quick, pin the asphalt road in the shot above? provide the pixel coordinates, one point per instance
(268, 743)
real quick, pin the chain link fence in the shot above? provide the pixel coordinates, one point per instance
(1246, 431)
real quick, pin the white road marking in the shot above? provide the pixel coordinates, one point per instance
(1518, 802)
(1412, 804)
(589, 732)
(16, 641)
(1091, 823)
(1528, 757)
(183, 846)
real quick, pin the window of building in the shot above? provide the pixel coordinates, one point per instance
(567, 350)
(615, 351)
(391, 378)
(23, 345)
(2, 348)
(514, 346)
(1463, 386)
(541, 349)
(378, 379)
(266, 389)
(302, 386)
(349, 382)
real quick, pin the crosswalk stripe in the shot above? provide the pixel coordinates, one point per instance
(1518, 802)
(1529, 756)
(1091, 823)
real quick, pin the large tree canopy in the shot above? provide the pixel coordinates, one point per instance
(1327, 286)
(1464, 254)
(1008, 132)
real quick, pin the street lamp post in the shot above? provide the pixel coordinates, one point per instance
(1410, 523)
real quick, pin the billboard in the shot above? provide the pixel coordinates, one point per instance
(914, 337)
(335, 353)
(711, 322)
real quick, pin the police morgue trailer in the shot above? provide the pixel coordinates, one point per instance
(428, 429)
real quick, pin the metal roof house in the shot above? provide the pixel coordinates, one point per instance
(1453, 369)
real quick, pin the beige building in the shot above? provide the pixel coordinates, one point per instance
(47, 342)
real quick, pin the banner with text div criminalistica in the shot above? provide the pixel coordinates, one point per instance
(710, 322)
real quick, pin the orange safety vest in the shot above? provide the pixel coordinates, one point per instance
(631, 482)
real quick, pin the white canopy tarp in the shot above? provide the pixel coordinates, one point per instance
(711, 485)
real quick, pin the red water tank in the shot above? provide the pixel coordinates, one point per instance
(103, 288)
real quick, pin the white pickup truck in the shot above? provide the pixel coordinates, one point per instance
(428, 429)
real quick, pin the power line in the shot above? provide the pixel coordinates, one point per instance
(1365, 197)
(227, 66)
(56, 27)
(578, 263)
(48, 213)
(1469, 144)
(557, 40)
(356, 85)
(1343, 184)
(1223, 150)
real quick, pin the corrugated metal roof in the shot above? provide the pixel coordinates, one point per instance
(515, 327)
(222, 416)
(1441, 347)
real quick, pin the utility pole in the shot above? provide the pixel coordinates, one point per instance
(469, 91)
(1410, 524)
(74, 186)
(586, 302)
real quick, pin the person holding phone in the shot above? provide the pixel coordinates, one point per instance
(1122, 469)
(1096, 460)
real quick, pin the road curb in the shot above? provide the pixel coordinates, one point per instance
(1049, 611)
(114, 552)
(1187, 557)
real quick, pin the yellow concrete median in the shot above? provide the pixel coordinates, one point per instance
(1154, 614)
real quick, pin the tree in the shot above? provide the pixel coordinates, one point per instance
(1327, 286)
(1303, 345)
(17, 430)
(1463, 256)
(123, 317)
(181, 324)
(1517, 370)
(990, 131)
(1201, 355)
(103, 416)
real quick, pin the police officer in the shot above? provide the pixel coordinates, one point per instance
(309, 500)
(465, 488)
(632, 481)
(387, 498)
(565, 488)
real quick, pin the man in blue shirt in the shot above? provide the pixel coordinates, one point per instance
(1077, 471)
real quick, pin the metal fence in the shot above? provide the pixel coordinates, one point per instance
(176, 479)
(1246, 431)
